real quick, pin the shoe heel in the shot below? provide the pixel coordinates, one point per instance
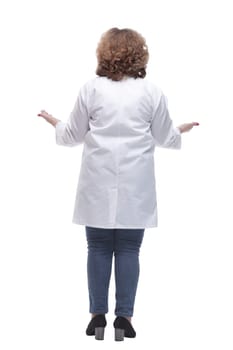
(99, 333)
(119, 334)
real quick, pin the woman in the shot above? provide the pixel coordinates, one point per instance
(120, 117)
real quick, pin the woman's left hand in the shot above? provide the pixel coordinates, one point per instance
(48, 117)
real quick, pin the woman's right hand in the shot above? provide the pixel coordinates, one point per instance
(187, 127)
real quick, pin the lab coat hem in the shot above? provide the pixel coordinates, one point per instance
(114, 225)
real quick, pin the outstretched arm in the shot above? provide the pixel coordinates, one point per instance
(162, 128)
(72, 132)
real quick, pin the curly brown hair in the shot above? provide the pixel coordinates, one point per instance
(122, 52)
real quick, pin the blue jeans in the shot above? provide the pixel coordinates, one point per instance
(124, 244)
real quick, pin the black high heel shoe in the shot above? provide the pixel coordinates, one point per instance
(123, 328)
(96, 327)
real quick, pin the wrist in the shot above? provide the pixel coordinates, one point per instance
(53, 121)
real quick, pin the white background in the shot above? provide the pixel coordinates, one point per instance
(184, 298)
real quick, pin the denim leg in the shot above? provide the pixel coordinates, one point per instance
(127, 245)
(99, 266)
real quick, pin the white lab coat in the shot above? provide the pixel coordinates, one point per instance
(120, 123)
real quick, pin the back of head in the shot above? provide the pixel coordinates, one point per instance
(120, 53)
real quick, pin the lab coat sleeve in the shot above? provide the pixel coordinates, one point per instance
(162, 128)
(72, 132)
